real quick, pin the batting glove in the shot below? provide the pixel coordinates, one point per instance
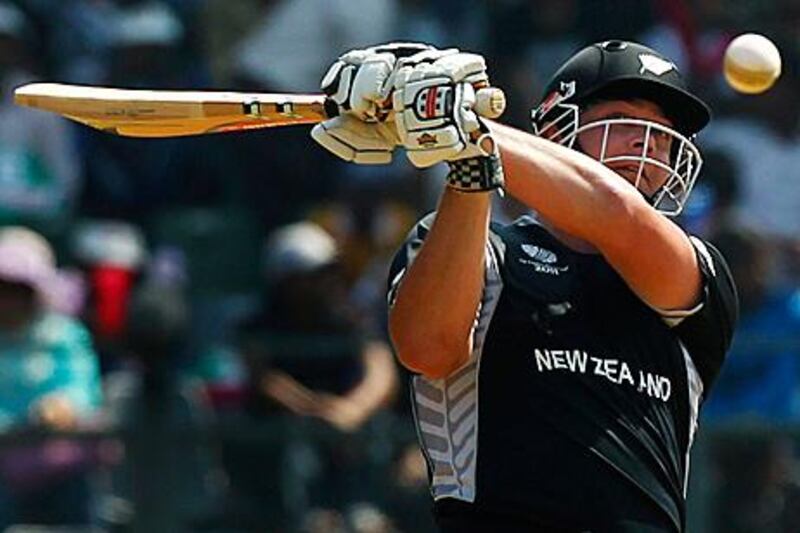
(360, 83)
(434, 112)
(357, 141)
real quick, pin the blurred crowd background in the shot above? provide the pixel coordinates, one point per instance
(192, 331)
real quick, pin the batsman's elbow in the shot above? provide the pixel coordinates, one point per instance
(423, 354)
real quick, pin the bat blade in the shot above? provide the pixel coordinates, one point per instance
(163, 113)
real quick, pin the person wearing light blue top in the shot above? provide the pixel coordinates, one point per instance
(49, 379)
(52, 360)
(761, 381)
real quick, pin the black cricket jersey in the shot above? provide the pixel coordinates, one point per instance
(579, 403)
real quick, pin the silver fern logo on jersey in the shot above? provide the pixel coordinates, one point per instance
(541, 259)
(539, 254)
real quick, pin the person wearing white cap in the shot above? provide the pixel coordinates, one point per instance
(343, 383)
(307, 357)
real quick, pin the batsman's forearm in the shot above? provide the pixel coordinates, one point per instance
(432, 317)
(569, 189)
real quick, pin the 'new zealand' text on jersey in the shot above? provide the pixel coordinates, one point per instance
(579, 403)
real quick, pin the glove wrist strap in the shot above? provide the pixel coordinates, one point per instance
(476, 174)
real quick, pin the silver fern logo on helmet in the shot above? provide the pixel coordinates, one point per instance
(657, 65)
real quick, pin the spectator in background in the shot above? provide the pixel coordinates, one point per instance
(81, 34)
(222, 24)
(110, 256)
(294, 39)
(761, 377)
(170, 478)
(712, 205)
(758, 486)
(526, 42)
(367, 230)
(131, 179)
(38, 167)
(761, 136)
(308, 358)
(49, 378)
(282, 46)
(78, 37)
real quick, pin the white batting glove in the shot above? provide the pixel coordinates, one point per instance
(433, 105)
(357, 141)
(360, 83)
(436, 121)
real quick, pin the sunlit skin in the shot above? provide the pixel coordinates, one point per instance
(628, 140)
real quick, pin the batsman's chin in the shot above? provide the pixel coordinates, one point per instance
(644, 180)
(629, 172)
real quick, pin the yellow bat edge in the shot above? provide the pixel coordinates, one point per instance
(157, 113)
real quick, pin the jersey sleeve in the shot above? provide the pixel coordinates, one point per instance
(707, 332)
(406, 255)
(495, 251)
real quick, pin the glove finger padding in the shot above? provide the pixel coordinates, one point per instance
(336, 83)
(434, 108)
(355, 140)
(360, 80)
(425, 121)
(401, 49)
(437, 121)
(428, 55)
(433, 103)
(371, 86)
(463, 66)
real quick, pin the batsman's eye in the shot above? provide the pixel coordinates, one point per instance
(661, 136)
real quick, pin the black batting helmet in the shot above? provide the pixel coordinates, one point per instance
(624, 69)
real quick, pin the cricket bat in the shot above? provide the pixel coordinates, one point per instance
(167, 113)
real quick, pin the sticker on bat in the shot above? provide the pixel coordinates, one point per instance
(252, 109)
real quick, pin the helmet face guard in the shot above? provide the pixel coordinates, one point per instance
(679, 172)
(558, 120)
(622, 70)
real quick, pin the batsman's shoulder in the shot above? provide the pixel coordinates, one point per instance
(707, 331)
(712, 262)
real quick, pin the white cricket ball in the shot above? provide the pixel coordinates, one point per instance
(752, 63)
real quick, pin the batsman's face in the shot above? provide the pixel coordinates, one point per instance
(630, 138)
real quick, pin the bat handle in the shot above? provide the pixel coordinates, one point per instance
(490, 102)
